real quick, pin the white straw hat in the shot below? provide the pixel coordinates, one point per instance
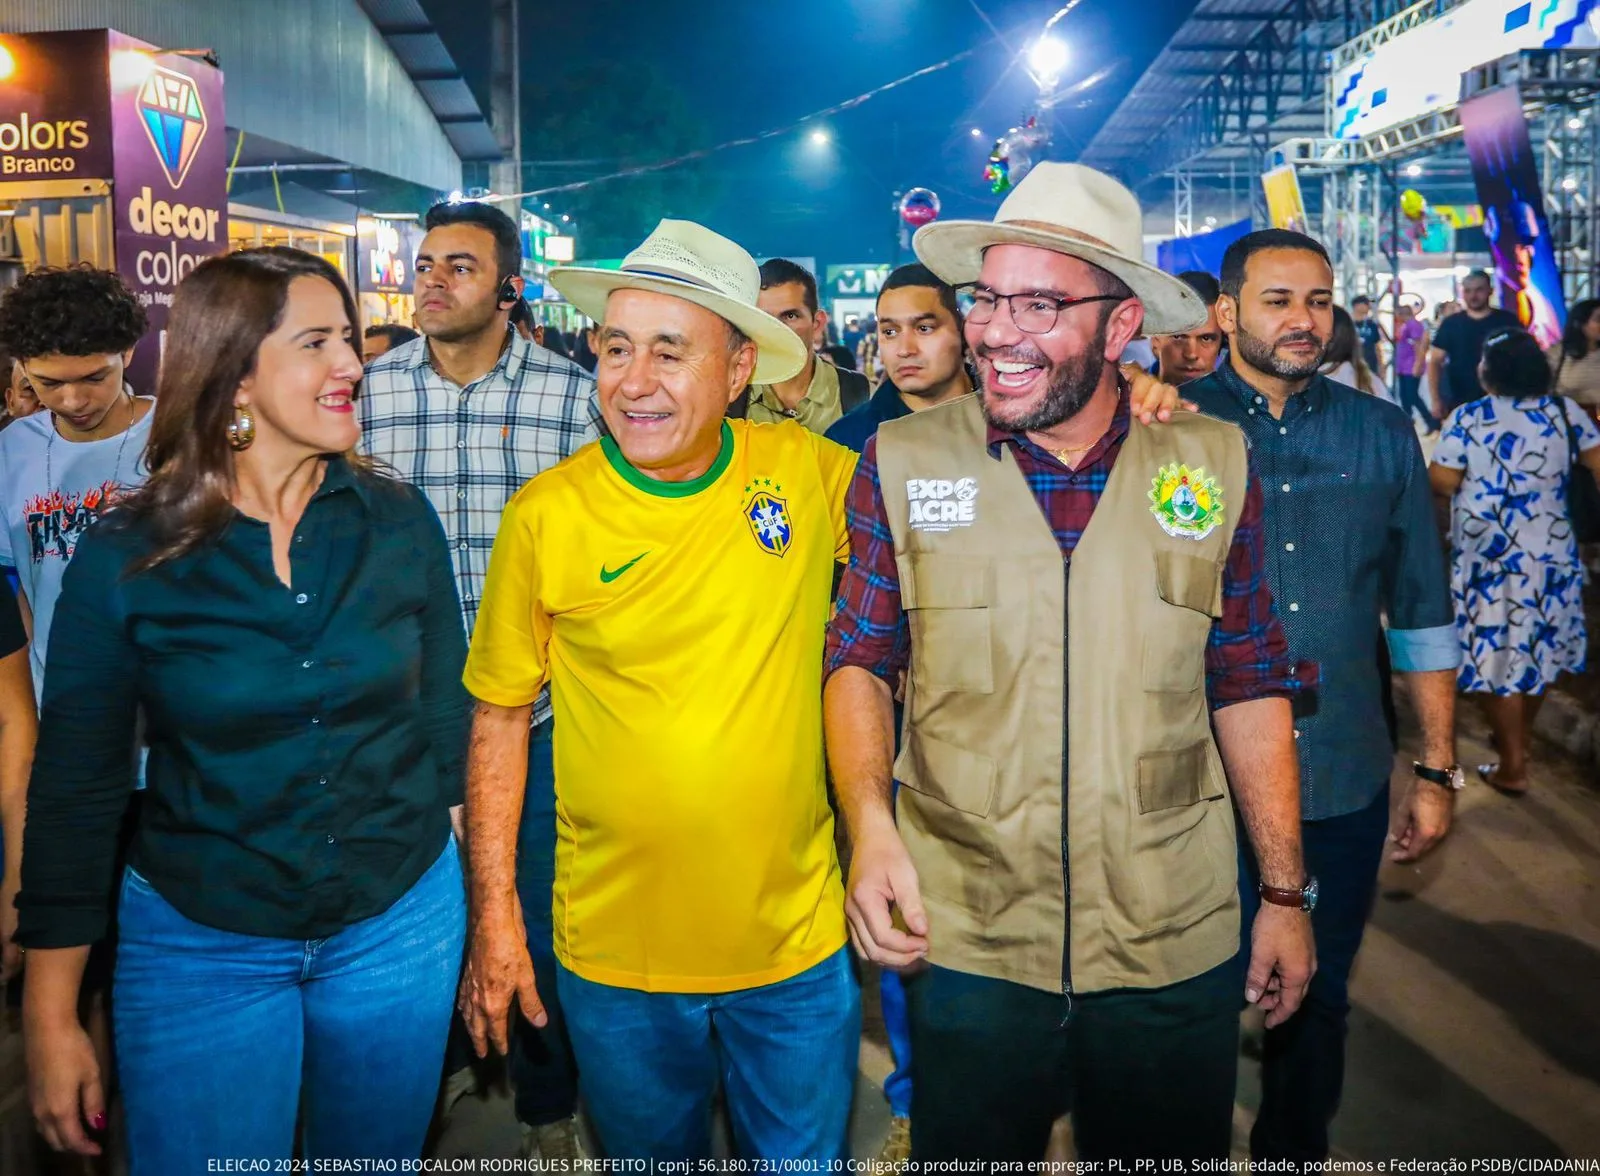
(1071, 209)
(689, 261)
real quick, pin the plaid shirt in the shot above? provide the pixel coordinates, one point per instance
(1247, 655)
(470, 449)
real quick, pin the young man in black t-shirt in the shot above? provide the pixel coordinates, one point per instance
(1458, 345)
(1370, 331)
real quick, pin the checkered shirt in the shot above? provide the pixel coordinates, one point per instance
(469, 449)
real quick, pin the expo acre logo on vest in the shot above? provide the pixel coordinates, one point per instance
(942, 504)
(170, 109)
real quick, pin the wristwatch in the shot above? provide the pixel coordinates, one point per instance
(1452, 777)
(1304, 899)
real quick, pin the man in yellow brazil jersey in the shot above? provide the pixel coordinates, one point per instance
(671, 584)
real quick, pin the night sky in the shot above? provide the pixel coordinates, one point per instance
(745, 67)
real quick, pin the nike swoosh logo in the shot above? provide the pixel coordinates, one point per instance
(607, 575)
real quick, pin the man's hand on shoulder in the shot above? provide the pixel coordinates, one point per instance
(1149, 399)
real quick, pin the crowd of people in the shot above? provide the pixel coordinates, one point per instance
(397, 696)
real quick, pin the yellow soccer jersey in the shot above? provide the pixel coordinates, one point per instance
(680, 627)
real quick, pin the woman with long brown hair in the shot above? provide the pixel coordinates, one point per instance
(1343, 361)
(292, 915)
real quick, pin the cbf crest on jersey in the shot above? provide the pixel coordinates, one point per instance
(768, 516)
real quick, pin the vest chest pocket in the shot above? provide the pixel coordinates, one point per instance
(1174, 654)
(947, 599)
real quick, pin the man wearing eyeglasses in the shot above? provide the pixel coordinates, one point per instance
(1063, 894)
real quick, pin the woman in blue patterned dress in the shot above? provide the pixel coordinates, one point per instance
(1505, 460)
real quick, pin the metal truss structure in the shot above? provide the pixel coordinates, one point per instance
(1352, 226)
(1243, 84)
(1559, 89)
(1238, 76)
(1387, 30)
(1182, 204)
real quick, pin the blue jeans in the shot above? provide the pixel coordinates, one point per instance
(224, 1040)
(1411, 400)
(897, 1022)
(542, 1070)
(787, 1054)
(896, 1017)
(544, 1077)
(1302, 1068)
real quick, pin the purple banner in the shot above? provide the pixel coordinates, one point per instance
(385, 251)
(1506, 172)
(52, 125)
(170, 184)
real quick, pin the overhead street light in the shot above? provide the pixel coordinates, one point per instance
(1047, 60)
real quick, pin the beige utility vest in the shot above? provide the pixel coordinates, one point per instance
(1007, 641)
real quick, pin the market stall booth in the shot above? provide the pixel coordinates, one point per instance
(112, 152)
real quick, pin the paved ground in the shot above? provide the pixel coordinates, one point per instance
(1476, 1032)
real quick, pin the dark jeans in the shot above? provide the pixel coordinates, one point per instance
(1411, 400)
(1147, 1074)
(543, 1073)
(1302, 1070)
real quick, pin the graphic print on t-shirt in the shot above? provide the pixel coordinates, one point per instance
(57, 520)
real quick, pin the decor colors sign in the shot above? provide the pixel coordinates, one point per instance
(98, 105)
(169, 185)
(52, 124)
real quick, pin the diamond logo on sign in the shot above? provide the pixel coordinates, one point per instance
(169, 108)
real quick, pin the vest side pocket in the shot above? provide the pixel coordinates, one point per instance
(1180, 869)
(1174, 659)
(945, 796)
(947, 599)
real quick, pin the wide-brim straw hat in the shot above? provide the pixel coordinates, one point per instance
(689, 261)
(1071, 209)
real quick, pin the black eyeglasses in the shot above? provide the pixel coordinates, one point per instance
(1033, 314)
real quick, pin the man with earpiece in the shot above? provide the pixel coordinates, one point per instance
(468, 414)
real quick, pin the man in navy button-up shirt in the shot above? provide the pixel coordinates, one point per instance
(1350, 540)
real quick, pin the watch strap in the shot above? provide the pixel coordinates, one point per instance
(1444, 777)
(1279, 896)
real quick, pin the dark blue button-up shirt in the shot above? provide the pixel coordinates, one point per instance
(1350, 540)
(855, 428)
(306, 742)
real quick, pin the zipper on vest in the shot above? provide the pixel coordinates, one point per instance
(1066, 870)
